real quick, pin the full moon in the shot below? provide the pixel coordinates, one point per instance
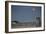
(33, 9)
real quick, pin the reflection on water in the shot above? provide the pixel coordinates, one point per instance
(17, 24)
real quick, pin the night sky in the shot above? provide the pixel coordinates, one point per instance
(25, 13)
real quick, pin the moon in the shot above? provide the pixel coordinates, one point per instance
(33, 9)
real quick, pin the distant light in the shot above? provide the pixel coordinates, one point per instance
(14, 23)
